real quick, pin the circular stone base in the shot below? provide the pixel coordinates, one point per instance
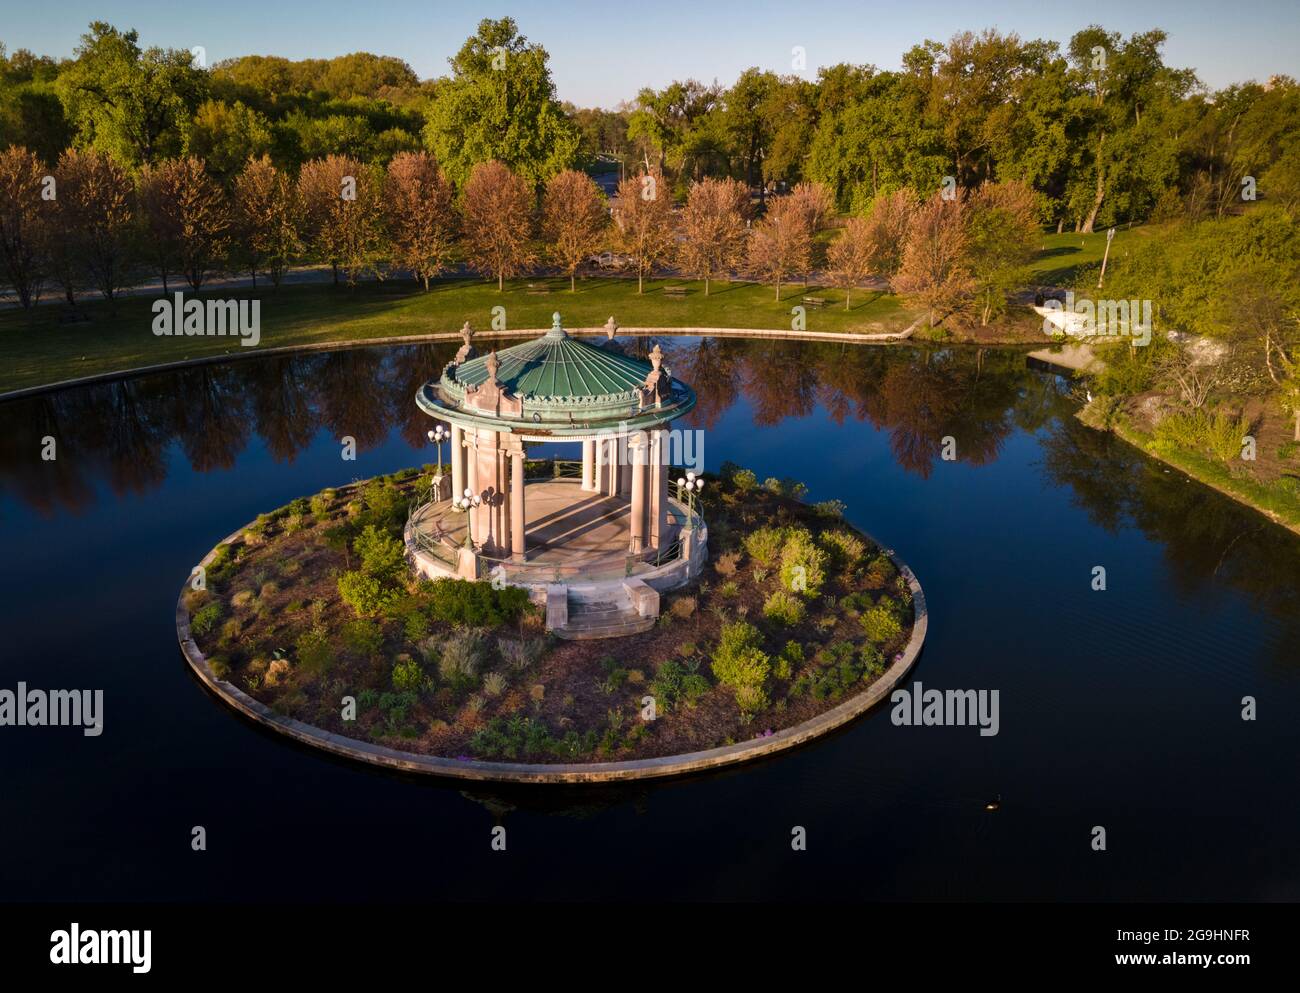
(583, 772)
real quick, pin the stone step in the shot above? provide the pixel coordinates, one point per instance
(588, 621)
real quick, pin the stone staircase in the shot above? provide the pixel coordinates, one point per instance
(631, 609)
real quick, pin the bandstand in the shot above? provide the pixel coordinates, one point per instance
(597, 539)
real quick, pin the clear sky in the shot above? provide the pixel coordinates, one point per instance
(602, 53)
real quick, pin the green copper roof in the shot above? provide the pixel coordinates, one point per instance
(558, 367)
(561, 386)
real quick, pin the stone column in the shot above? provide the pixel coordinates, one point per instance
(457, 462)
(483, 481)
(658, 485)
(637, 456)
(501, 499)
(611, 467)
(589, 465)
(518, 549)
(598, 465)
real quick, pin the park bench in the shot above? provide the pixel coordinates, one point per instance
(538, 288)
(816, 302)
(677, 292)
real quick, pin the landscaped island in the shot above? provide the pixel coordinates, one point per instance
(313, 611)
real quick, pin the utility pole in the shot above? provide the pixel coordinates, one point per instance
(1110, 234)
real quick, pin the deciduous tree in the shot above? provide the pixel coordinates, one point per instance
(713, 228)
(268, 214)
(498, 211)
(1002, 223)
(420, 215)
(187, 205)
(935, 272)
(574, 217)
(341, 213)
(780, 245)
(94, 219)
(25, 223)
(643, 218)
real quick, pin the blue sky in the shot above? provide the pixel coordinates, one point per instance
(602, 53)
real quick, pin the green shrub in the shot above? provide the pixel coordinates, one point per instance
(365, 637)
(415, 625)
(791, 657)
(365, 594)
(382, 555)
(408, 676)
(740, 663)
(219, 666)
(803, 564)
(764, 545)
(677, 683)
(783, 608)
(477, 604)
(845, 547)
(744, 480)
(881, 624)
(320, 504)
(313, 649)
(205, 618)
(1217, 436)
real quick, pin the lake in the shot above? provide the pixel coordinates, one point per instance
(1119, 708)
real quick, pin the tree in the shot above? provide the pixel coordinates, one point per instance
(499, 105)
(498, 212)
(574, 216)
(94, 219)
(131, 104)
(1002, 222)
(935, 271)
(161, 234)
(888, 221)
(713, 228)
(419, 213)
(25, 220)
(780, 245)
(185, 204)
(643, 219)
(268, 214)
(341, 213)
(851, 257)
(225, 136)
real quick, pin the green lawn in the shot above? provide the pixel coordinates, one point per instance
(1063, 255)
(36, 348)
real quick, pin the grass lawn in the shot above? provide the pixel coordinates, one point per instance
(35, 348)
(1064, 255)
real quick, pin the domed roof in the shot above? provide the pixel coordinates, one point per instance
(555, 385)
(557, 367)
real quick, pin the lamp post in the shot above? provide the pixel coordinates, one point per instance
(437, 436)
(466, 505)
(692, 484)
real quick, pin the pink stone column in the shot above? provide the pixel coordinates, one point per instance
(637, 456)
(518, 549)
(589, 465)
(658, 486)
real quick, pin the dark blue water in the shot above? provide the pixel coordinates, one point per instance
(1119, 708)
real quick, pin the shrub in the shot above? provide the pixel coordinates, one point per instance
(476, 604)
(683, 607)
(677, 683)
(519, 655)
(313, 649)
(494, 684)
(242, 600)
(764, 545)
(845, 548)
(729, 589)
(320, 505)
(277, 672)
(205, 619)
(791, 657)
(382, 555)
(830, 508)
(726, 564)
(220, 667)
(1218, 436)
(740, 663)
(803, 564)
(415, 625)
(879, 572)
(744, 480)
(783, 608)
(363, 636)
(408, 676)
(463, 654)
(880, 624)
(365, 594)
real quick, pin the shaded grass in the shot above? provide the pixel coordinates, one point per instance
(36, 348)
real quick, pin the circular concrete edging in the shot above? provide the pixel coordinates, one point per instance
(583, 772)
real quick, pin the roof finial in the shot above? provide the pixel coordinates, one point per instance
(557, 329)
(611, 328)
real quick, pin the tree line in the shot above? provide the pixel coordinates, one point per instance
(88, 222)
(1100, 127)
